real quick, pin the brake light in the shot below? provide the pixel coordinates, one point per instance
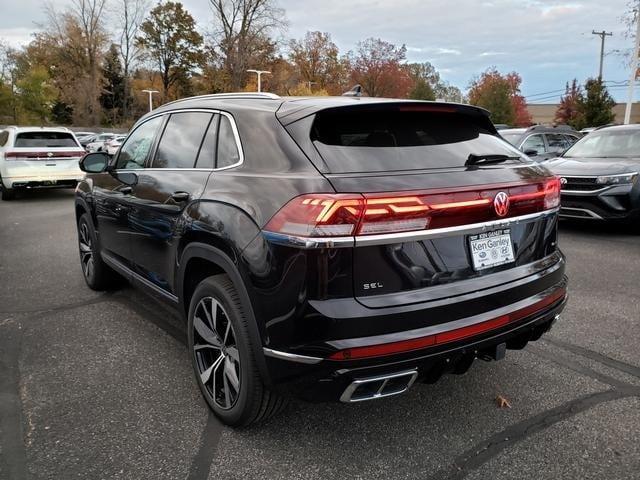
(20, 155)
(334, 215)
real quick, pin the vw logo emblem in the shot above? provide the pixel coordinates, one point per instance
(501, 204)
(563, 180)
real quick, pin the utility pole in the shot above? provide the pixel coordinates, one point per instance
(259, 73)
(150, 92)
(634, 70)
(602, 35)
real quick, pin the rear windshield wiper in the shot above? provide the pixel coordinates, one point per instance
(474, 159)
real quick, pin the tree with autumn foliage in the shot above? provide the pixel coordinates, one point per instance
(316, 59)
(569, 111)
(170, 39)
(378, 67)
(500, 94)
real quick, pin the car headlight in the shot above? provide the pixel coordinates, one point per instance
(617, 179)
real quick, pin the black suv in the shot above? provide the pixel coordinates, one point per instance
(541, 142)
(334, 248)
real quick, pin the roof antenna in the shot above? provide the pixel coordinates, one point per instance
(356, 91)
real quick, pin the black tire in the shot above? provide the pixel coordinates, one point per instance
(252, 402)
(98, 275)
(7, 193)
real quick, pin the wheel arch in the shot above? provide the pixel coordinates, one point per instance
(201, 260)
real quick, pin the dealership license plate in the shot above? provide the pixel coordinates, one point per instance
(491, 249)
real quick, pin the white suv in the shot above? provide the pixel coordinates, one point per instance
(38, 156)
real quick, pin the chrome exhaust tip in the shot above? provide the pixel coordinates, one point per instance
(380, 386)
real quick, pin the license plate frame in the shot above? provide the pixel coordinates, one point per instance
(491, 249)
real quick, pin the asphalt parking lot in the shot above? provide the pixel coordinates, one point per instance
(100, 386)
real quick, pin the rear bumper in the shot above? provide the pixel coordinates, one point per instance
(38, 173)
(316, 379)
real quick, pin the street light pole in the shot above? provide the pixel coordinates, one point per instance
(150, 92)
(634, 70)
(259, 73)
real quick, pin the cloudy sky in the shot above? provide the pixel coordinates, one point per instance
(548, 42)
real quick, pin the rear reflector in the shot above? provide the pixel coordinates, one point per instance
(448, 336)
(329, 215)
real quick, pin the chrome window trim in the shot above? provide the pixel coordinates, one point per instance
(212, 111)
(292, 357)
(368, 240)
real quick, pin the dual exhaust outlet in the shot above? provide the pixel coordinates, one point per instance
(379, 387)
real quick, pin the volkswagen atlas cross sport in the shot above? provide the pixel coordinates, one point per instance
(332, 248)
(600, 175)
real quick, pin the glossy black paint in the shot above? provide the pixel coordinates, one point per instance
(167, 228)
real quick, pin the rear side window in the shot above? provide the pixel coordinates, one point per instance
(207, 155)
(45, 139)
(401, 138)
(228, 153)
(4, 136)
(181, 140)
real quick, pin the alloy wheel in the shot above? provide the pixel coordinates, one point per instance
(86, 251)
(216, 353)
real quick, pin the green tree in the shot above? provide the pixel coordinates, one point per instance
(113, 98)
(424, 77)
(596, 105)
(171, 40)
(35, 96)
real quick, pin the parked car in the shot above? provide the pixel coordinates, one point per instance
(83, 134)
(336, 248)
(599, 175)
(541, 142)
(38, 156)
(97, 144)
(112, 146)
(501, 126)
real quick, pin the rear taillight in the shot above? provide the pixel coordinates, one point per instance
(336, 215)
(19, 155)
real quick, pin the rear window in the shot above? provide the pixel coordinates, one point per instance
(392, 139)
(45, 139)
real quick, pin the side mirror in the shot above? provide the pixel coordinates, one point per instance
(97, 162)
(531, 152)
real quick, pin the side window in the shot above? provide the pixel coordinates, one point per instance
(228, 153)
(4, 136)
(557, 143)
(570, 140)
(135, 149)
(207, 155)
(534, 142)
(181, 140)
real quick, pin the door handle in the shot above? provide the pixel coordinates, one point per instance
(126, 190)
(180, 196)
